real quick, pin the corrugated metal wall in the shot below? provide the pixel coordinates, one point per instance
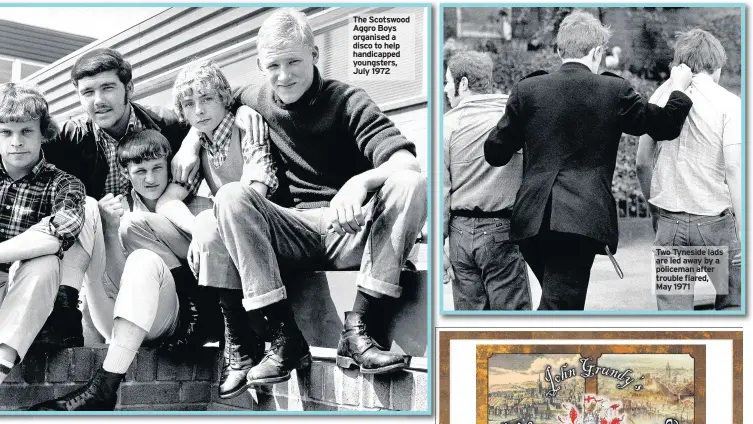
(161, 45)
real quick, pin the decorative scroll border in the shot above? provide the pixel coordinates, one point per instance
(446, 336)
(484, 352)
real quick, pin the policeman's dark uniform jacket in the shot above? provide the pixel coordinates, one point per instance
(569, 124)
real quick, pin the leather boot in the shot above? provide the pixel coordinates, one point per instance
(242, 350)
(100, 394)
(199, 317)
(289, 351)
(359, 349)
(63, 328)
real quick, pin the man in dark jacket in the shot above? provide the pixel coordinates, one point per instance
(569, 125)
(86, 148)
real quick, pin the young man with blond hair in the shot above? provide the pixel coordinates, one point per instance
(202, 98)
(40, 219)
(366, 208)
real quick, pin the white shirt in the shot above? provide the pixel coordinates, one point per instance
(689, 172)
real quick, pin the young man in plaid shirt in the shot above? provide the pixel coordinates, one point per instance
(41, 215)
(203, 98)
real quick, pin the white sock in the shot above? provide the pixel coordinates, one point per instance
(126, 340)
(5, 367)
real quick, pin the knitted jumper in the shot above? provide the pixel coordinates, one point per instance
(332, 133)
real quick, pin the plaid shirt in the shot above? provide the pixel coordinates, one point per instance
(46, 200)
(116, 183)
(258, 164)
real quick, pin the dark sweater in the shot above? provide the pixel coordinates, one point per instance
(332, 133)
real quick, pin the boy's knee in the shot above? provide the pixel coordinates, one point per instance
(43, 270)
(145, 262)
(228, 195)
(130, 224)
(205, 231)
(408, 180)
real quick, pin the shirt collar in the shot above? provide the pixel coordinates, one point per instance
(133, 122)
(482, 97)
(138, 204)
(35, 170)
(702, 78)
(308, 98)
(221, 135)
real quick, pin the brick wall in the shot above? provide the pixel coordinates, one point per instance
(155, 383)
(152, 383)
(326, 387)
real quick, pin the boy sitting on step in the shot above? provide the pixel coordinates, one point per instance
(148, 289)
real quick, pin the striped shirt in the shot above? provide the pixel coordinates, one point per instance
(46, 200)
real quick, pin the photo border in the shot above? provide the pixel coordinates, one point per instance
(485, 352)
(441, 171)
(445, 337)
(429, 92)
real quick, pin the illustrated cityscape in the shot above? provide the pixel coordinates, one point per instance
(664, 388)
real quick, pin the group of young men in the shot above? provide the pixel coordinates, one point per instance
(302, 170)
(533, 183)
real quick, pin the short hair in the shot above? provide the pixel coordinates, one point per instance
(142, 146)
(477, 67)
(96, 61)
(700, 50)
(25, 102)
(203, 77)
(283, 27)
(580, 32)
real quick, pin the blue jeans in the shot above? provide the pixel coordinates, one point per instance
(260, 237)
(684, 229)
(490, 272)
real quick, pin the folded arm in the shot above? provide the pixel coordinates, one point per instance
(55, 233)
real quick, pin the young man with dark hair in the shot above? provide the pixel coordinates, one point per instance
(695, 186)
(86, 148)
(41, 215)
(569, 124)
(147, 293)
(489, 269)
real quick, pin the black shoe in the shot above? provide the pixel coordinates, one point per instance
(63, 328)
(289, 351)
(199, 317)
(100, 394)
(359, 349)
(242, 350)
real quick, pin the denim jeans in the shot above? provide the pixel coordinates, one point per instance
(684, 229)
(490, 272)
(260, 237)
